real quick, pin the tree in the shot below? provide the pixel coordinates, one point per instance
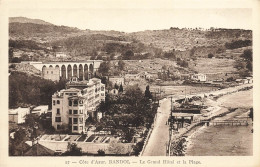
(251, 114)
(101, 152)
(121, 65)
(170, 54)
(92, 57)
(244, 73)
(116, 86)
(121, 88)
(210, 55)
(11, 54)
(247, 55)
(73, 150)
(40, 90)
(99, 57)
(112, 56)
(16, 60)
(239, 65)
(249, 66)
(15, 96)
(129, 133)
(25, 57)
(133, 93)
(182, 63)
(128, 55)
(17, 145)
(19, 136)
(104, 68)
(147, 92)
(230, 79)
(138, 147)
(31, 120)
(164, 67)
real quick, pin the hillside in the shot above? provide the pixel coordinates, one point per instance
(103, 46)
(186, 39)
(27, 20)
(171, 43)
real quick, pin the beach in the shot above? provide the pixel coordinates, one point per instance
(224, 140)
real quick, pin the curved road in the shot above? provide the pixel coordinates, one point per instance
(156, 145)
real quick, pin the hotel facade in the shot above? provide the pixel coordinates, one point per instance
(71, 107)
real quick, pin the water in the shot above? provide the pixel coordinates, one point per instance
(222, 141)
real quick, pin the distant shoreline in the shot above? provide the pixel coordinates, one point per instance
(198, 128)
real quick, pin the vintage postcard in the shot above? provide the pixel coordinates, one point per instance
(129, 83)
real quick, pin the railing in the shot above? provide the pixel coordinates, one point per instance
(228, 122)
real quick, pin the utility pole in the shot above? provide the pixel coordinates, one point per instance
(170, 130)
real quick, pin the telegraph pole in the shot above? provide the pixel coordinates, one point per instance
(170, 130)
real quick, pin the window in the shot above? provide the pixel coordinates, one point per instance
(102, 88)
(102, 94)
(70, 111)
(81, 128)
(75, 120)
(58, 111)
(75, 128)
(75, 111)
(70, 102)
(58, 127)
(75, 103)
(53, 102)
(80, 120)
(70, 120)
(81, 111)
(51, 72)
(58, 102)
(57, 119)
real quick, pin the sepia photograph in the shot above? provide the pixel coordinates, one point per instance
(95, 79)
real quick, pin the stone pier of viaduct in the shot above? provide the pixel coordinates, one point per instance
(55, 71)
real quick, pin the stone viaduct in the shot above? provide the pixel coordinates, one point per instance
(55, 71)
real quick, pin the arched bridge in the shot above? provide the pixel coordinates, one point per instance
(84, 70)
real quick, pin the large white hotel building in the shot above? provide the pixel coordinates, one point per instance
(72, 106)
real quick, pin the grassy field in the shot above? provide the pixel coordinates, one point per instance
(205, 65)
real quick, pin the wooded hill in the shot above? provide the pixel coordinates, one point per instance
(183, 43)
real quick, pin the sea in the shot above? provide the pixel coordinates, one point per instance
(221, 140)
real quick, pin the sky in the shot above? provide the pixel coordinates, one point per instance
(129, 17)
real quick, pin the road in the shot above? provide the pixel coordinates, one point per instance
(156, 145)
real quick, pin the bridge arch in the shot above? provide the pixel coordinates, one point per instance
(63, 72)
(69, 69)
(86, 71)
(44, 69)
(91, 71)
(81, 72)
(75, 70)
